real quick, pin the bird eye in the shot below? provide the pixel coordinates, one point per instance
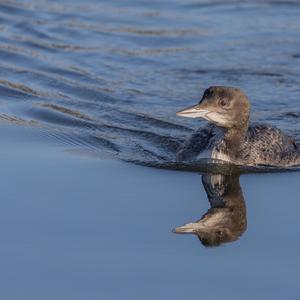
(223, 102)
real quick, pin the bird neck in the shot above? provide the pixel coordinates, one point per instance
(234, 137)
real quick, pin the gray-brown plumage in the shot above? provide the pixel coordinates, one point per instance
(226, 220)
(230, 138)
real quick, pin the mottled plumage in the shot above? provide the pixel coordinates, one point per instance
(230, 138)
(261, 145)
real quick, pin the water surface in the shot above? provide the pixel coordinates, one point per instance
(86, 85)
(108, 77)
(74, 227)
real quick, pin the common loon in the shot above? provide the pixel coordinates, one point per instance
(230, 138)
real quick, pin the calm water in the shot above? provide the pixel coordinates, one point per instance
(86, 85)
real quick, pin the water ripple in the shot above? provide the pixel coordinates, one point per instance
(107, 78)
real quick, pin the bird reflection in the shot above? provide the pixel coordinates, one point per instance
(226, 220)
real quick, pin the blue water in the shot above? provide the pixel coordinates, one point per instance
(87, 85)
(108, 77)
(74, 227)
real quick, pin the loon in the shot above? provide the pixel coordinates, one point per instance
(229, 137)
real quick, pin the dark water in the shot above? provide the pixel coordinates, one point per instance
(108, 77)
(103, 79)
